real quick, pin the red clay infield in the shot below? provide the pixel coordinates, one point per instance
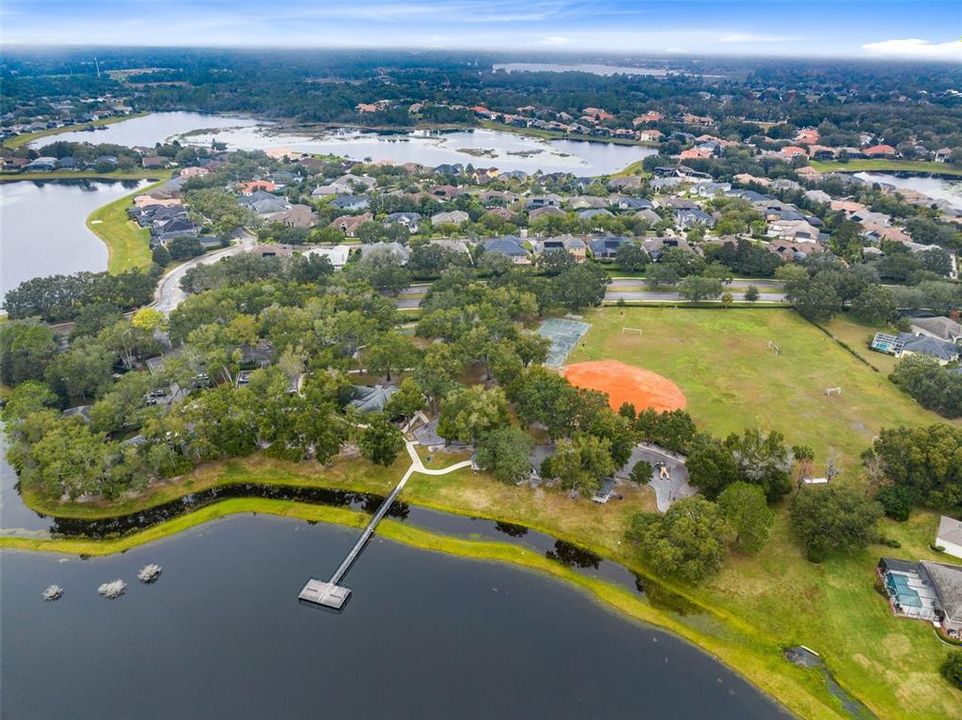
(625, 383)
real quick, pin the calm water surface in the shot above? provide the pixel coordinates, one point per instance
(221, 635)
(504, 150)
(936, 188)
(147, 130)
(43, 227)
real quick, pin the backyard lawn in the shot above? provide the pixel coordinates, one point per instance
(722, 362)
(128, 245)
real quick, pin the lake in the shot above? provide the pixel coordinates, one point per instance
(946, 189)
(481, 148)
(43, 226)
(593, 68)
(221, 635)
(147, 130)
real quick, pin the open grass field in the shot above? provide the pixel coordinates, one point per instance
(856, 336)
(128, 245)
(721, 361)
(882, 165)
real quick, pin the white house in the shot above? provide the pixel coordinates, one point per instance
(949, 536)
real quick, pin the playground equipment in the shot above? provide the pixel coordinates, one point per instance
(663, 472)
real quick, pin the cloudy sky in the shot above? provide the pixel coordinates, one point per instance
(860, 28)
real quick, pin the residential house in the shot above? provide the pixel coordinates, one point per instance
(543, 211)
(942, 155)
(924, 590)
(371, 399)
(949, 536)
(651, 135)
(454, 217)
(940, 328)
(566, 243)
(876, 151)
(392, 249)
(510, 246)
(150, 162)
(448, 192)
(348, 224)
(337, 255)
(606, 247)
(541, 201)
(297, 216)
(689, 218)
(249, 188)
(408, 220)
(648, 117)
(907, 344)
(351, 203)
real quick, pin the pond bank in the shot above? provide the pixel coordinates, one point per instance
(757, 658)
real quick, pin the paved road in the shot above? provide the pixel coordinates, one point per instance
(168, 294)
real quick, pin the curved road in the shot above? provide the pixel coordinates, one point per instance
(168, 294)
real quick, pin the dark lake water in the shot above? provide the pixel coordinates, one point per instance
(221, 635)
(43, 227)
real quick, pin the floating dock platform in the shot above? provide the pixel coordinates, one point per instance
(326, 594)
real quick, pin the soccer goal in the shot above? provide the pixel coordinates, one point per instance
(774, 348)
(631, 331)
(833, 391)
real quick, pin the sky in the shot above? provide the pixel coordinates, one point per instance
(919, 29)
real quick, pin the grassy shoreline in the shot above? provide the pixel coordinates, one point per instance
(757, 659)
(128, 245)
(887, 166)
(25, 138)
(137, 174)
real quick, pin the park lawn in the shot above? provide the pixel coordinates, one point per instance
(128, 245)
(857, 335)
(888, 166)
(721, 361)
(21, 140)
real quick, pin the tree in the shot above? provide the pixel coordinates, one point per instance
(896, 501)
(660, 275)
(951, 668)
(746, 512)
(711, 466)
(641, 473)
(696, 289)
(926, 461)
(408, 399)
(28, 397)
(26, 349)
(763, 460)
(149, 320)
(391, 352)
(581, 462)
(83, 372)
(727, 299)
(815, 298)
(685, 542)
(69, 459)
(380, 442)
(752, 294)
(470, 412)
(631, 257)
(833, 517)
(875, 305)
(580, 286)
(933, 386)
(505, 452)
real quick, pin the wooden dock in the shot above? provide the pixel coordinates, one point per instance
(331, 595)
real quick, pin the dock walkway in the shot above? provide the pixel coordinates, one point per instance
(331, 595)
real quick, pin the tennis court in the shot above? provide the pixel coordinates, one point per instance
(564, 334)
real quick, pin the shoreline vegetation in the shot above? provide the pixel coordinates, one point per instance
(746, 645)
(756, 658)
(21, 140)
(138, 174)
(128, 246)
